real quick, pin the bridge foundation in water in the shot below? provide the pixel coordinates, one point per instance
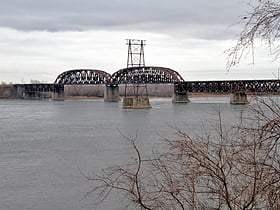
(58, 92)
(111, 93)
(180, 94)
(58, 96)
(136, 102)
(238, 98)
(180, 98)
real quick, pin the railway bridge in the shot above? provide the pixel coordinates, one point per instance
(139, 76)
(127, 76)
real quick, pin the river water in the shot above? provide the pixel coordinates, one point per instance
(45, 146)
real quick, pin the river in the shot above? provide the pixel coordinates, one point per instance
(45, 146)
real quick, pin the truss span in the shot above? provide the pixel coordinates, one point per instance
(145, 75)
(83, 77)
(230, 86)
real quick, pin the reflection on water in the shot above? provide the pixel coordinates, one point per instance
(45, 144)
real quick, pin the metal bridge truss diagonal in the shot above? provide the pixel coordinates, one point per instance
(145, 75)
(250, 86)
(83, 77)
(131, 75)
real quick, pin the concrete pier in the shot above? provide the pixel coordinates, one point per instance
(136, 103)
(31, 95)
(111, 93)
(58, 96)
(58, 92)
(238, 98)
(180, 98)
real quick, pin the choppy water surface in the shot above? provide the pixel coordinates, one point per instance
(44, 145)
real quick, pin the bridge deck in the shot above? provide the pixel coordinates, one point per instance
(48, 87)
(250, 86)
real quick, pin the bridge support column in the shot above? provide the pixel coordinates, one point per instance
(111, 93)
(180, 94)
(180, 98)
(136, 102)
(238, 98)
(58, 96)
(32, 95)
(58, 92)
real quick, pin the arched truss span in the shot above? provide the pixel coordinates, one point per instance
(83, 77)
(145, 75)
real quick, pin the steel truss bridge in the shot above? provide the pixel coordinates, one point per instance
(231, 86)
(132, 75)
(151, 75)
(49, 87)
(145, 75)
(82, 77)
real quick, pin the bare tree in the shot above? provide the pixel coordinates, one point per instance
(262, 22)
(224, 168)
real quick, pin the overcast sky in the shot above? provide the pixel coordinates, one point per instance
(39, 39)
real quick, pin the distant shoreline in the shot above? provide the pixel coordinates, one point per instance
(190, 95)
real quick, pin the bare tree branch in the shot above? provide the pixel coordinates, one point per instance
(263, 23)
(228, 168)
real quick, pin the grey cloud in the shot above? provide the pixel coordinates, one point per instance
(198, 18)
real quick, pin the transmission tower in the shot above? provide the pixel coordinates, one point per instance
(135, 57)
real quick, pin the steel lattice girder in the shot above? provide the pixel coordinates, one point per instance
(145, 75)
(83, 77)
(267, 86)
